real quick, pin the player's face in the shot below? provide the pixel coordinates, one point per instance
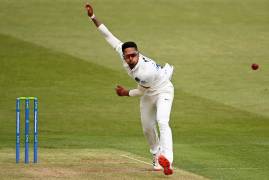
(131, 56)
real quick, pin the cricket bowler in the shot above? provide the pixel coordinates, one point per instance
(156, 95)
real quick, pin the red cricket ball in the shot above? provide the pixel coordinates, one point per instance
(254, 66)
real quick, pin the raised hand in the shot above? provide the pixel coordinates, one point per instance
(89, 9)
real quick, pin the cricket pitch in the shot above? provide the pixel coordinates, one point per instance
(84, 164)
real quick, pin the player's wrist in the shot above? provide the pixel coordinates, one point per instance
(92, 16)
(127, 92)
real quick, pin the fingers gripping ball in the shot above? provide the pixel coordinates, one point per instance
(121, 91)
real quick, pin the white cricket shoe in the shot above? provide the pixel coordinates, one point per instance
(155, 163)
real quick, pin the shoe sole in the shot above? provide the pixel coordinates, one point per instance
(165, 164)
(157, 169)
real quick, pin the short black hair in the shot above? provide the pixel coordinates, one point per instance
(128, 44)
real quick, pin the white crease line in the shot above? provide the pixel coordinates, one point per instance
(136, 159)
(140, 160)
(218, 168)
(232, 168)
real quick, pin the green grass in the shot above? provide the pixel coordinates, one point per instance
(211, 43)
(220, 117)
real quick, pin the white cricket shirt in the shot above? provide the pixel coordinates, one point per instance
(147, 73)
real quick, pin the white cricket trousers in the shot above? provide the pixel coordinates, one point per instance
(155, 110)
